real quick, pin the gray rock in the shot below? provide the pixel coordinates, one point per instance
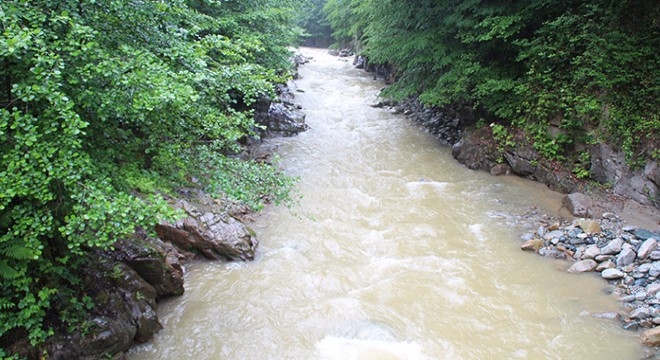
(653, 289)
(607, 315)
(641, 295)
(591, 252)
(626, 257)
(655, 255)
(644, 234)
(216, 236)
(640, 313)
(578, 204)
(583, 266)
(604, 257)
(647, 248)
(608, 264)
(629, 228)
(627, 298)
(556, 234)
(519, 165)
(614, 247)
(612, 274)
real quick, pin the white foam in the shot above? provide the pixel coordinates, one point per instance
(353, 349)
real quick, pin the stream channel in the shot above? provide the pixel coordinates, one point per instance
(395, 251)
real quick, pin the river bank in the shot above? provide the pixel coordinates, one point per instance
(612, 231)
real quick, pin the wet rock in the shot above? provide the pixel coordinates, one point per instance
(644, 234)
(647, 248)
(651, 337)
(577, 204)
(588, 226)
(583, 266)
(215, 236)
(156, 262)
(532, 245)
(282, 119)
(609, 264)
(612, 274)
(553, 235)
(519, 165)
(640, 313)
(607, 315)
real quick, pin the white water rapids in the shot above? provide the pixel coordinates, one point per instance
(394, 252)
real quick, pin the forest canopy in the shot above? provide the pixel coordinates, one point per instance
(589, 68)
(106, 106)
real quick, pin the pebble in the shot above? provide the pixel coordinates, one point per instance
(640, 296)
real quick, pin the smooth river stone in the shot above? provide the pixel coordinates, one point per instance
(583, 266)
(614, 247)
(612, 274)
(647, 248)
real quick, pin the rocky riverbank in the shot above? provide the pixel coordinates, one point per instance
(626, 256)
(125, 284)
(612, 231)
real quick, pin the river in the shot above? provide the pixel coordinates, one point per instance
(395, 251)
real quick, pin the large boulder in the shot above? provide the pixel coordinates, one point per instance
(578, 204)
(214, 235)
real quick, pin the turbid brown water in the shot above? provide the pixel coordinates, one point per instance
(394, 252)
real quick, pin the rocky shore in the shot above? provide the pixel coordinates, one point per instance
(126, 283)
(611, 230)
(627, 257)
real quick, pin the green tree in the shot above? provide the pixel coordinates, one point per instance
(104, 105)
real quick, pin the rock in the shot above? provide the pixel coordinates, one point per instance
(653, 289)
(216, 236)
(655, 255)
(651, 337)
(644, 234)
(608, 264)
(591, 252)
(607, 315)
(156, 262)
(519, 165)
(647, 248)
(627, 298)
(613, 247)
(577, 204)
(532, 245)
(612, 274)
(640, 313)
(556, 234)
(588, 226)
(604, 257)
(583, 266)
(639, 296)
(626, 257)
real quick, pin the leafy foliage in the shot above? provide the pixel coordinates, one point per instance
(589, 69)
(103, 101)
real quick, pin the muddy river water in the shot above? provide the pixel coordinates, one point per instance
(395, 251)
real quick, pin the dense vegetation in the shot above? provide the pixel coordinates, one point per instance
(566, 73)
(107, 105)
